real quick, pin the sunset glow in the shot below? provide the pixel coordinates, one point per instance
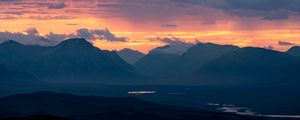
(142, 21)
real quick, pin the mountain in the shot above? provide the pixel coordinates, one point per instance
(177, 48)
(11, 77)
(155, 61)
(72, 59)
(96, 108)
(295, 50)
(12, 53)
(246, 65)
(79, 59)
(193, 59)
(130, 56)
(289, 73)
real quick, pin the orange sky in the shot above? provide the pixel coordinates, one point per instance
(142, 21)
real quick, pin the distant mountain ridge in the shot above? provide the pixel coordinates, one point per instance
(218, 64)
(246, 65)
(74, 58)
(174, 48)
(130, 56)
(193, 59)
(295, 50)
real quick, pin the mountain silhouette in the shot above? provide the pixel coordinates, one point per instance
(193, 59)
(177, 48)
(295, 50)
(96, 108)
(13, 54)
(245, 65)
(130, 56)
(155, 61)
(74, 58)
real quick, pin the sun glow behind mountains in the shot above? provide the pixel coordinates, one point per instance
(142, 21)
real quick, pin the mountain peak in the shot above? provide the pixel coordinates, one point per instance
(12, 43)
(129, 50)
(75, 43)
(176, 49)
(295, 51)
(295, 47)
(130, 56)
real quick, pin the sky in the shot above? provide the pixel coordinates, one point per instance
(144, 24)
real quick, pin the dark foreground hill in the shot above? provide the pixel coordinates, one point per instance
(98, 108)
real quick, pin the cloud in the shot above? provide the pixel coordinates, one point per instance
(57, 6)
(99, 34)
(170, 25)
(71, 24)
(32, 32)
(174, 46)
(172, 40)
(49, 17)
(84, 33)
(284, 43)
(58, 37)
(266, 9)
(31, 36)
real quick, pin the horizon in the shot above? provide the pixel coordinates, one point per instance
(154, 59)
(143, 25)
(142, 51)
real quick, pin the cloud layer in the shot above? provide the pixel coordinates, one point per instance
(31, 36)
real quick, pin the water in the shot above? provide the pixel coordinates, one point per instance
(271, 101)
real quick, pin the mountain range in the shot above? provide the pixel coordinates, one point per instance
(254, 65)
(194, 58)
(77, 59)
(71, 59)
(218, 64)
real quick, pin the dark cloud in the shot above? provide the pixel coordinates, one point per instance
(8, 17)
(49, 17)
(9, 0)
(12, 12)
(267, 9)
(284, 43)
(57, 6)
(72, 24)
(170, 25)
